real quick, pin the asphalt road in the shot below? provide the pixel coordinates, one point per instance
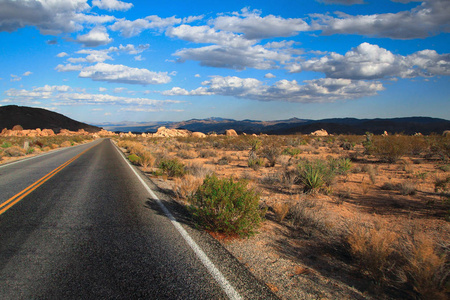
(93, 230)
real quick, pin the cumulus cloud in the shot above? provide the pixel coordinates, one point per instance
(64, 95)
(68, 68)
(238, 58)
(62, 54)
(427, 19)
(253, 26)
(27, 73)
(369, 61)
(344, 2)
(96, 37)
(50, 17)
(15, 78)
(207, 35)
(112, 5)
(269, 75)
(129, 28)
(318, 90)
(123, 74)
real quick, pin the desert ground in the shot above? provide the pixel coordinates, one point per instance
(345, 217)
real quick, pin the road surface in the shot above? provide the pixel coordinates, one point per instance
(81, 223)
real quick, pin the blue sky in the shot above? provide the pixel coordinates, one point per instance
(108, 61)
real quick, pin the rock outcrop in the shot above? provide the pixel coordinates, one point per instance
(231, 132)
(17, 131)
(321, 132)
(167, 132)
(198, 135)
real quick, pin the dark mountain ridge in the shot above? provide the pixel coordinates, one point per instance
(407, 125)
(32, 118)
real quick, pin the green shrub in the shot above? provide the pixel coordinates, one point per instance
(271, 152)
(223, 205)
(134, 159)
(292, 151)
(390, 148)
(6, 145)
(172, 167)
(340, 166)
(315, 175)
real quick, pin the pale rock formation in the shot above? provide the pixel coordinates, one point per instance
(167, 132)
(321, 132)
(231, 132)
(198, 135)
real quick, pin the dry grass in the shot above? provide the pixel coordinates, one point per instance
(382, 191)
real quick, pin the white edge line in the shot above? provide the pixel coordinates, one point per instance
(216, 274)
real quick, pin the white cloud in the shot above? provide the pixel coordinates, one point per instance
(27, 73)
(62, 54)
(112, 5)
(15, 78)
(49, 16)
(318, 90)
(139, 58)
(68, 68)
(96, 37)
(102, 89)
(344, 2)
(206, 34)
(123, 74)
(197, 76)
(369, 61)
(119, 90)
(269, 75)
(64, 95)
(93, 56)
(236, 58)
(253, 26)
(132, 28)
(427, 19)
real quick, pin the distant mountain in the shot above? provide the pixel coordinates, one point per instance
(411, 125)
(32, 118)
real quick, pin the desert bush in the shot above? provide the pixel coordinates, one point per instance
(254, 161)
(186, 154)
(271, 152)
(372, 172)
(14, 151)
(315, 174)
(425, 269)
(207, 153)
(198, 170)
(6, 145)
(407, 188)
(224, 160)
(227, 206)
(292, 151)
(441, 185)
(134, 159)
(310, 216)
(340, 166)
(66, 144)
(281, 209)
(390, 148)
(146, 159)
(172, 167)
(373, 248)
(186, 186)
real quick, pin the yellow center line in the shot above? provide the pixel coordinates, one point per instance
(19, 196)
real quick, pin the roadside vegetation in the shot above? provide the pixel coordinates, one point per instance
(380, 205)
(13, 147)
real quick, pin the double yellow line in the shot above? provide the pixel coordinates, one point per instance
(19, 196)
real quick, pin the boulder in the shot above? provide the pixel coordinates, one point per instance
(446, 133)
(231, 132)
(198, 135)
(17, 128)
(321, 132)
(167, 132)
